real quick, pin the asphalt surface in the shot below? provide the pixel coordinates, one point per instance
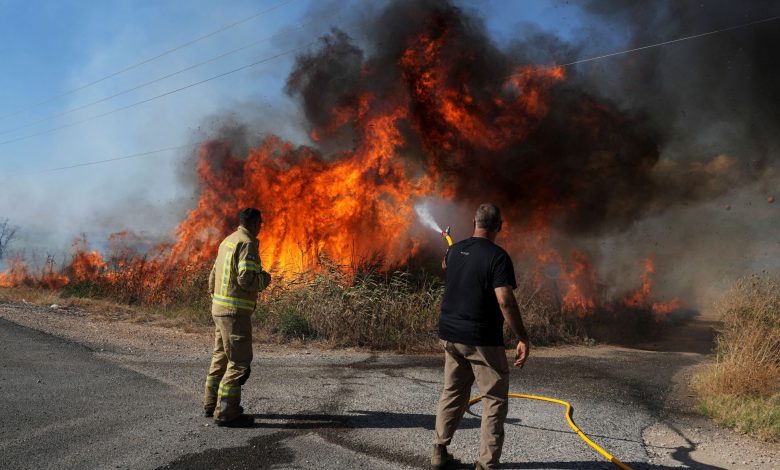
(65, 405)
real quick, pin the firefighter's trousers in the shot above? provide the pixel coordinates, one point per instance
(230, 365)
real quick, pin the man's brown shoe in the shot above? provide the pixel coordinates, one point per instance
(440, 457)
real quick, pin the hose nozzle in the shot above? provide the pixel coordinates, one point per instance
(446, 235)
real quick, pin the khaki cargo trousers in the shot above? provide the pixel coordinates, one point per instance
(462, 364)
(230, 365)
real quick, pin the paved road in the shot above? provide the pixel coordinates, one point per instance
(67, 406)
(63, 406)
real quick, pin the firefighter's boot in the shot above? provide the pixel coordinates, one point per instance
(210, 396)
(229, 411)
(240, 421)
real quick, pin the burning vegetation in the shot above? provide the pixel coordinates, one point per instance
(428, 108)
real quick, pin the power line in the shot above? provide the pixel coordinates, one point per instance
(147, 100)
(159, 79)
(97, 162)
(731, 28)
(146, 61)
(649, 46)
(766, 20)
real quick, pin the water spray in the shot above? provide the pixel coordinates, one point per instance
(427, 219)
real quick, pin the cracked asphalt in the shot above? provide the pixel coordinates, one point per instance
(100, 399)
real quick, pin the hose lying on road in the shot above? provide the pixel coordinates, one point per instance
(582, 435)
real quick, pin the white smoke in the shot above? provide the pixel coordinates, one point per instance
(425, 216)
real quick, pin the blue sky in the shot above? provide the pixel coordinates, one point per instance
(52, 47)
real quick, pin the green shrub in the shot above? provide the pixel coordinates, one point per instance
(292, 324)
(82, 289)
(758, 416)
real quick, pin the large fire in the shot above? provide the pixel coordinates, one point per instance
(435, 124)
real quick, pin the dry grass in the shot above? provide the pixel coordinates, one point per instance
(542, 316)
(333, 306)
(397, 311)
(182, 317)
(386, 311)
(33, 295)
(742, 388)
(394, 311)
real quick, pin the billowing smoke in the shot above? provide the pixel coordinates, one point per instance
(610, 146)
(667, 153)
(715, 94)
(594, 158)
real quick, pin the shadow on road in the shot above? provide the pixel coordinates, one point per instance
(387, 420)
(517, 423)
(584, 465)
(682, 454)
(260, 453)
(358, 420)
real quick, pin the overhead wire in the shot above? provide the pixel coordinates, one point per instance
(642, 48)
(146, 61)
(107, 160)
(161, 78)
(649, 46)
(627, 51)
(156, 97)
(765, 20)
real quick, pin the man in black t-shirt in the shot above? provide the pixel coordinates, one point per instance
(478, 298)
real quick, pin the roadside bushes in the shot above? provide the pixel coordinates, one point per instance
(544, 320)
(146, 283)
(392, 311)
(364, 306)
(742, 388)
(383, 311)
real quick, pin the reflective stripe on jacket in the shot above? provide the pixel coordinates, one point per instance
(237, 275)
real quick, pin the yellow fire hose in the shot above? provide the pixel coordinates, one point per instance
(596, 447)
(577, 430)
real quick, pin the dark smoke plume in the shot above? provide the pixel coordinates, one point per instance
(595, 157)
(717, 93)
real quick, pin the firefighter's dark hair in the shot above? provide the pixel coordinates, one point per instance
(249, 215)
(488, 217)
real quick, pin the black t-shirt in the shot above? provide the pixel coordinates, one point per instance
(469, 312)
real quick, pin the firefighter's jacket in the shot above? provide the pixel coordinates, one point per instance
(237, 275)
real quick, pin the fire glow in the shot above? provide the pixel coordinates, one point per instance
(443, 125)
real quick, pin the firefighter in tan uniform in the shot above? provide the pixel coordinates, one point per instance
(234, 282)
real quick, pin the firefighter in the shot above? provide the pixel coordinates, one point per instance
(234, 282)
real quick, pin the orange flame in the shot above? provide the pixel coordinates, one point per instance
(357, 205)
(642, 297)
(16, 275)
